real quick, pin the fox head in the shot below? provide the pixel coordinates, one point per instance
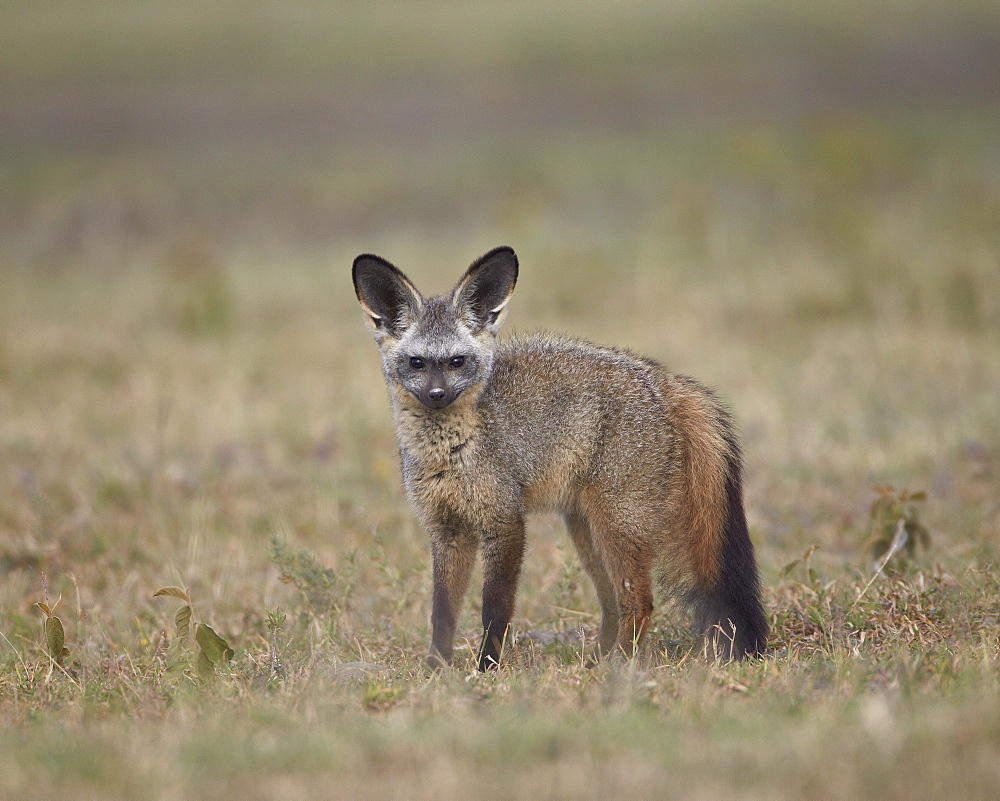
(436, 349)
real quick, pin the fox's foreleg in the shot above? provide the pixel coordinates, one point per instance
(454, 555)
(503, 549)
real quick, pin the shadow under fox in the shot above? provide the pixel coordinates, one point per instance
(643, 464)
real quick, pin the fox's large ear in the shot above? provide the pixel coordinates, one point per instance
(391, 303)
(480, 298)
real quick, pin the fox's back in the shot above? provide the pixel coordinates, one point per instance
(562, 414)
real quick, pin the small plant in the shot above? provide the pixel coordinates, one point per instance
(275, 622)
(55, 635)
(896, 530)
(213, 650)
(810, 577)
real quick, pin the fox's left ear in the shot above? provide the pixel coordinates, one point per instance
(480, 298)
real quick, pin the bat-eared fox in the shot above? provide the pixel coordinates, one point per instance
(642, 464)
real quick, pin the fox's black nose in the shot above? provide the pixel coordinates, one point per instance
(436, 394)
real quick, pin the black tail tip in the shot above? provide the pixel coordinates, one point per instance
(725, 641)
(732, 631)
(731, 614)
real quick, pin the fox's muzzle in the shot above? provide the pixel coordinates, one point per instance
(436, 394)
(436, 398)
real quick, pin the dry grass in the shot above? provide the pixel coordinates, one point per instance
(796, 208)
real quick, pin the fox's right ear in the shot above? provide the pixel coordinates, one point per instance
(391, 303)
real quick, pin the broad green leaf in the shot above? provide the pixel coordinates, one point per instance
(183, 621)
(212, 645)
(173, 592)
(177, 658)
(205, 667)
(55, 638)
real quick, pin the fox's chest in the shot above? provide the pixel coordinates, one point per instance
(443, 466)
(457, 486)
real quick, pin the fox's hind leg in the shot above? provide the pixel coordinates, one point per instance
(626, 554)
(583, 539)
(634, 589)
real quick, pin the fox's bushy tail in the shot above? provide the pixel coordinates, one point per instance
(722, 586)
(730, 613)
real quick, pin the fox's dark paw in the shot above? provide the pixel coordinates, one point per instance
(435, 662)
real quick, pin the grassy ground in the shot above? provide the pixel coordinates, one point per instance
(799, 205)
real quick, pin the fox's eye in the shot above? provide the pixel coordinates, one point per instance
(456, 362)
(416, 363)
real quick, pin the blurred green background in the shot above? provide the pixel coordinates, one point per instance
(796, 202)
(691, 132)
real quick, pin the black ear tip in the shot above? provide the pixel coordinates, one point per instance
(504, 255)
(370, 270)
(363, 259)
(370, 266)
(512, 256)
